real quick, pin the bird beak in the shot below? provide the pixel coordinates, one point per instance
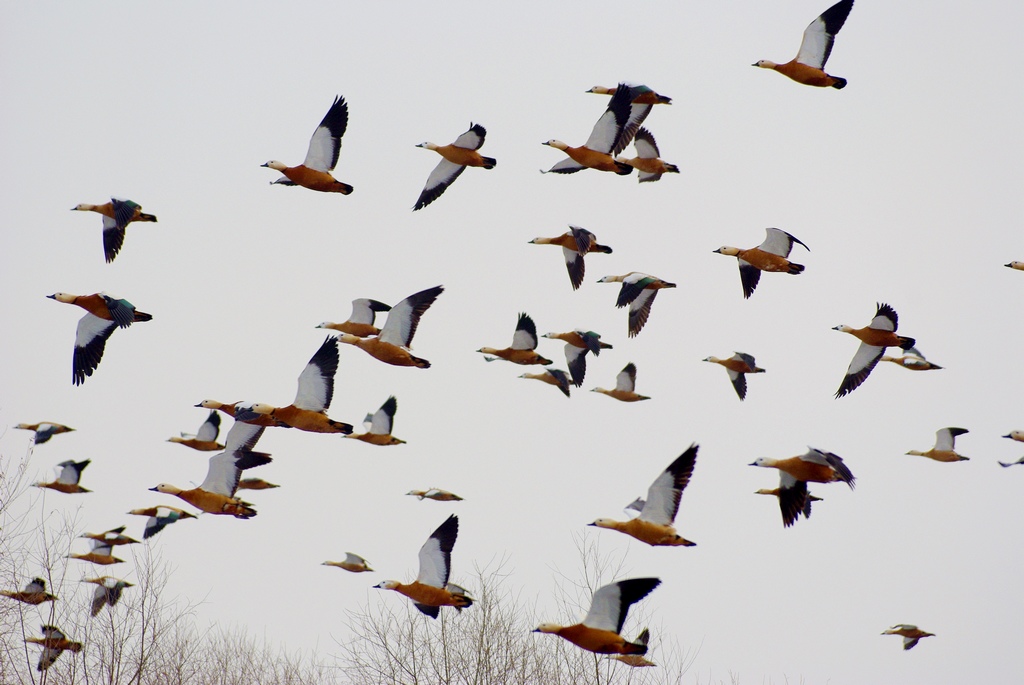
(153, 490)
(753, 463)
(52, 297)
(265, 165)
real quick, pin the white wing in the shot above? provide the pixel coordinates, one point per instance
(242, 436)
(210, 428)
(433, 565)
(222, 477)
(662, 500)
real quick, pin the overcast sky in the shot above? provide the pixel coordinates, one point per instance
(906, 186)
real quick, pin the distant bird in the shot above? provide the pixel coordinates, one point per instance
(104, 313)
(44, 431)
(101, 553)
(640, 106)
(379, 425)
(233, 409)
(1019, 266)
(524, 345)
(797, 499)
(114, 536)
(808, 67)
(393, 344)
(361, 322)
(556, 377)
(457, 156)
(34, 593)
(625, 382)
(117, 214)
(577, 344)
(256, 484)
(910, 633)
(648, 163)
(599, 630)
(771, 255)
(575, 244)
(638, 291)
(654, 524)
(874, 338)
(435, 494)
(108, 592)
(308, 412)
(351, 562)
(68, 474)
(635, 660)
(205, 439)
(816, 466)
(54, 643)
(912, 360)
(216, 494)
(943, 449)
(609, 137)
(738, 366)
(322, 155)
(159, 518)
(431, 589)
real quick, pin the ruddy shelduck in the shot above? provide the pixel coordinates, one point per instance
(205, 439)
(913, 360)
(34, 593)
(104, 313)
(945, 439)
(771, 255)
(874, 338)
(599, 630)
(644, 99)
(54, 643)
(68, 474)
(815, 466)
(808, 67)
(117, 214)
(361, 322)
(654, 524)
(648, 163)
(312, 399)
(638, 291)
(102, 553)
(114, 536)
(575, 244)
(216, 494)
(436, 494)
(322, 155)
(635, 660)
(625, 383)
(431, 589)
(457, 156)
(524, 345)
(738, 366)
(609, 137)
(108, 592)
(556, 377)
(159, 518)
(910, 634)
(351, 562)
(379, 425)
(796, 492)
(233, 409)
(577, 344)
(44, 431)
(393, 344)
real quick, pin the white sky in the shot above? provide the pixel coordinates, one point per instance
(906, 186)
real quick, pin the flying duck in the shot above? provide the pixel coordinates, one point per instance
(117, 214)
(456, 157)
(322, 155)
(392, 345)
(575, 244)
(808, 67)
(874, 338)
(599, 630)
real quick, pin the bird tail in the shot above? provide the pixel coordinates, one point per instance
(795, 268)
(489, 162)
(420, 363)
(839, 84)
(623, 169)
(906, 343)
(601, 248)
(671, 169)
(340, 426)
(146, 217)
(634, 648)
(240, 509)
(143, 316)
(343, 188)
